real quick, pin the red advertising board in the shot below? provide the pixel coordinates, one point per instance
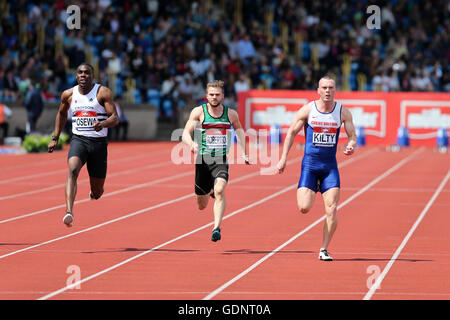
(379, 114)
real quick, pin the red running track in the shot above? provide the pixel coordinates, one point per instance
(145, 238)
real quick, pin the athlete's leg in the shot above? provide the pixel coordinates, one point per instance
(97, 185)
(220, 201)
(97, 166)
(202, 201)
(305, 199)
(330, 200)
(307, 187)
(75, 164)
(203, 183)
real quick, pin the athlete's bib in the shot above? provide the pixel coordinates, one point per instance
(324, 137)
(214, 133)
(85, 111)
(84, 120)
(216, 139)
(322, 131)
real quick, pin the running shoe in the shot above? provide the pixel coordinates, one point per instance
(212, 195)
(323, 255)
(68, 219)
(215, 234)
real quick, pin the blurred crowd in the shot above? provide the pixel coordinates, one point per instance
(164, 52)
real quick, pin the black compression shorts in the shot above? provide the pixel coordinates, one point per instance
(206, 173)
(93, 151)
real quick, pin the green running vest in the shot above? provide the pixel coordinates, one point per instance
(215, 134)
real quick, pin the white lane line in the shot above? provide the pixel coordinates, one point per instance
(231, 293)
(397, 252)
(50, 295)
(61, 185)
(31, 176)
(247, 176)
(407, 190)
(52, 172)
(348, 200)
(164, 244)
(162, 204)
(142, 185)
(116, 192)
(109, 194)
(138, 186)
(63, 156)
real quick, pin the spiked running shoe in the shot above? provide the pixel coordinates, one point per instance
(323, 255)
(68, 219)
(216, 235)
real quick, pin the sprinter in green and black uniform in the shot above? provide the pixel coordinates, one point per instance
(211, 146)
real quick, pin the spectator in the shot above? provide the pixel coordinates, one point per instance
(156, 39)
(120, 132)
(34, 103)
(2, 81)
(167, 95)
(186, 90)
(233, 48)
(377, 82)
(246, 48)
(242, 84)
(7, 59)
(198, 92)
(405, 84)
(5, 113)
(24, 84)
(446, 82)
(420, 82)
(11, 87)
(254, 76)
(288, 77)
(392, 81)
(60, 66)
(437, 75)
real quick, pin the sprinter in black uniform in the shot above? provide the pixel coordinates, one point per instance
(93, 111)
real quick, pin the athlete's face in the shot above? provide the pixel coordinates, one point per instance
(84, 76)
(326, 90)
(214, 96)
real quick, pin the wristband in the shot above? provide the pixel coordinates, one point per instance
(55, 138)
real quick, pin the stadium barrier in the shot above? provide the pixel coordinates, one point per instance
(142, 119)
(379, 114)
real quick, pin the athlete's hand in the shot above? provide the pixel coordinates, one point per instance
(281, 165)
(52, 145)
(194, 148)
(98, 126)
(349, 150)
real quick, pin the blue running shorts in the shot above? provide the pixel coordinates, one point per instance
(319, 175)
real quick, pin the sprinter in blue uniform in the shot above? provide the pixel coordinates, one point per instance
(321, 120)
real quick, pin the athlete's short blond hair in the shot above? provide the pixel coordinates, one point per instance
(215, 84)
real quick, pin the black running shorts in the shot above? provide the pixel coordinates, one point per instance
(93, 151)
(206, 173)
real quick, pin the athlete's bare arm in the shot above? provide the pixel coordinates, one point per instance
(350, 130)
(297, 124)
(240, 134)
(61, 117)
(194, 119)
(104, 97)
